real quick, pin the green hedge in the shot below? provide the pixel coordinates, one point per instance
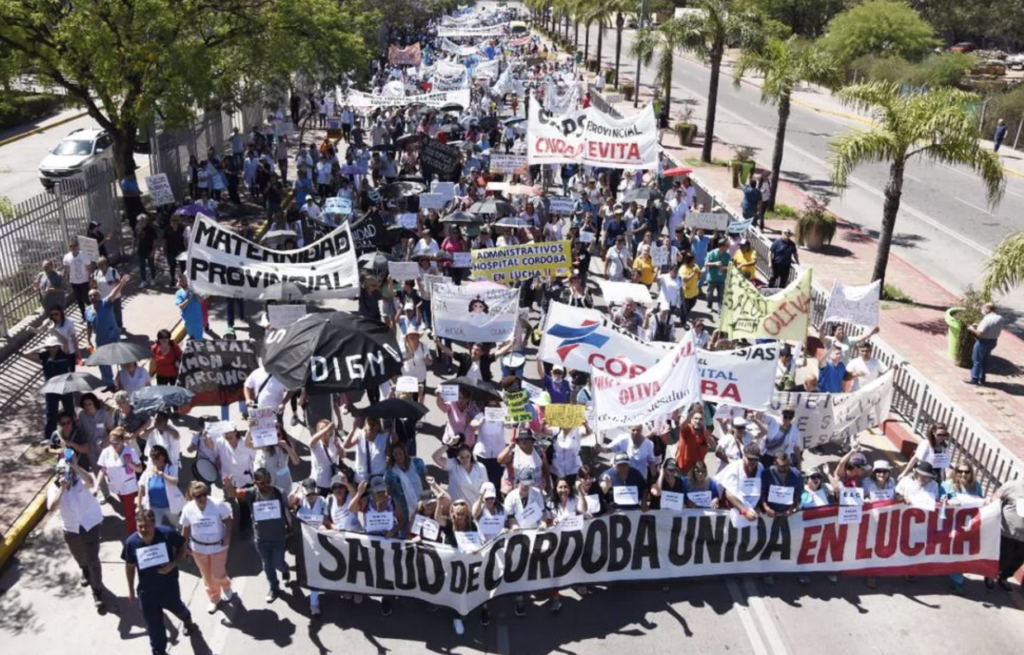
(17, 109)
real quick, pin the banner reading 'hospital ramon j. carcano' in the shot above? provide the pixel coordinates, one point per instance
(634, 546)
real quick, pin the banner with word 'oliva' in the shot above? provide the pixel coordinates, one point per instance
(785, 316)
(889, 539)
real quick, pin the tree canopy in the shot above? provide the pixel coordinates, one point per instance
(879, 27)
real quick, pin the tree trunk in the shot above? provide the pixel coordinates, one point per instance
(619, 22)
(667, 92)
(600, 39)
(576, 34)
(893, 191)
(123, 148)
(586, 44)
(709, 123)
(780, 144)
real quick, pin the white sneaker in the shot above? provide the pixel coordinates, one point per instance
(459, 628)
(211, 608)
(226, 596)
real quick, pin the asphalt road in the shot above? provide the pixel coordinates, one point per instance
(944, 227)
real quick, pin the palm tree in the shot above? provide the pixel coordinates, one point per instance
(1004, 268)
(600, 12)
(934, 125)
(662, 42)
(707, 32)
(784, 63)
(620, 22)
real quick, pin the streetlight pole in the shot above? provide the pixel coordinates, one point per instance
(640, 29)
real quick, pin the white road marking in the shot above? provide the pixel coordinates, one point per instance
(983, 210)
(224, 625)
(760, 608)
(746, 620)
(904, 207)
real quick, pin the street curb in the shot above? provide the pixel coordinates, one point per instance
(40, 130)
(22, 527)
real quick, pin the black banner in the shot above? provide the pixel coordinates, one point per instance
(369, 232)
(439, 160)
(216, 370)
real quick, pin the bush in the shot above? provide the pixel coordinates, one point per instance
(781, 210)
(893, 293)
(17, 109)
(1009, 106)
(875, 68)
(941, 70)
(879, 27)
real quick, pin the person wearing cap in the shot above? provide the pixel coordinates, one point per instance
(119, 463)
(273, 524)
(206, 526)
(717, 266)
(309, 509)
(415, 359)
(623, 486)
(56, 359)
(155, 553)
(781, 487)
(524, 509)
(379, 515)
(851, 469)
(638, 449)
(80, 520)
(669, 479)
(617, 263)
(783, 255)
(782, 434)
(410, 317)
(337, 515)
(816, 493)
(730, 449)
(741, 482)
(488, 513)
(919, 488)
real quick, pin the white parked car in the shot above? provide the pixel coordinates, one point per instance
(78, 151)
(1015, 62)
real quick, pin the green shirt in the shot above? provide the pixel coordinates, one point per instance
(717, 273)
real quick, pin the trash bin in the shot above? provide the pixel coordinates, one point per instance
(955, 326)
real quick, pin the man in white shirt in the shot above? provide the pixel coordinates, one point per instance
(680, 207)
(741, 481)
(864, 368)
(311, 209)
(80, 519)
(76, 272)
(426, 245)
(640, 451)
(263, 390)
(524, 506)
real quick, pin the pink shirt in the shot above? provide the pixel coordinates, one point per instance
(458, 422)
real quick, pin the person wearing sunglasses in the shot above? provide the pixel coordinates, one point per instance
(782, 435)
(816, 493)
(962, 490)
(167, 356)
(851, 469)
(934, 449)
(206, 525)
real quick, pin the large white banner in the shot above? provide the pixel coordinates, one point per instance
(592, 137)
(586, 339)
(459, 50)
(857, 305)
(559, 99)
(457, 31)
(671, 384)
(474, 312)
(620, 292)
(435, 99)
(487, 69)
(889, 540)
(826, 417)
(222, 263)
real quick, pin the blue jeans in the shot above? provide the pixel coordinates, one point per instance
(979, 356)
(272, 555)
(232, 303)
(716, 290)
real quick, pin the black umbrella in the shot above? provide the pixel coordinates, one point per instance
(514, 121)
(488, 123)
(644, 194)
(76, 382)
(394, 408)
(462, 218)
(491, 206)
(417, 179)
(383, 147)
(408, 139)
(397, 190)
(452, 106)
(117, 353)
(477, 389)
(277, 238)
(376, 261)
(161, 398)
(284, 292)
(399, 232)
(331, 352)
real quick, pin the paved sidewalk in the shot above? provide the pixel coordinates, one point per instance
(918, 331)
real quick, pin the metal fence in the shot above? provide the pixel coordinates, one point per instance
(170, 149)
(914, 400)
(40, 228)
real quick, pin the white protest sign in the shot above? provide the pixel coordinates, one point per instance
(494, 413)
(586, 237)
(856, 305)
(699, 498)
(432, 201)
(281, 316)
(468, 542)
(462, 260)
(147, 557)
(623, 495)
(336, 205)
(707, 220)
(879, 495)
(849, 514)
(620, 292)
(403, 270)
(263, 428)
(448, 392)
(780, 495)
(425, 527)
(507, 163)
(561, 204)
(445, 189)
(490, 526)
(407, 384)
(266, 510)
(827, 417)
(90, 248)
(941, 461)
(160, 191)
(659, 255)
(474, 312)
(379, 522)
(571, 523)
(407, 220)
(672, 500)
(739, 520)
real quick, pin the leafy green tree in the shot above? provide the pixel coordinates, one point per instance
(1004, 269)
(601, 12)
(661, 42)
(707, 33)
(785, 63)
(806, 18)
(935, 126)
(881, 27)
(131, 61)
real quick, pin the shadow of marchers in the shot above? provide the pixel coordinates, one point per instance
(259, 624)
